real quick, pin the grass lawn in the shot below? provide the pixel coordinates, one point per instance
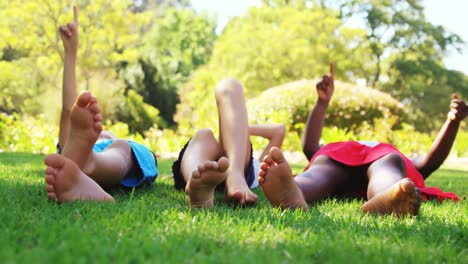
(155, 225)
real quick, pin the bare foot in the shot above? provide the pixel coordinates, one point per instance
(277, 182)
(200, 188)
(238, 191)
(400, 199)
(66, 183)
(85, 128)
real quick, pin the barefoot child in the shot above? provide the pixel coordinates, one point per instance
(392, 183)
(204, 163)
(89, 157)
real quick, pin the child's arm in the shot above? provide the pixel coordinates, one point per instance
(443, 143)
(273, 132)
(69, 36)
(314, 125)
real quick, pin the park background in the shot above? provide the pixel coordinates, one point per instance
(153, 66)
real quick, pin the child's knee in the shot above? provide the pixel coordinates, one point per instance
(203, 134)
(393, 159)
(228, 87)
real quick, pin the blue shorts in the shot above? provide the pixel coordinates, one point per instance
(145, 169)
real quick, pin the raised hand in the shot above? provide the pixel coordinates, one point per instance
(326, 86)
(69, 33)
(458, 109)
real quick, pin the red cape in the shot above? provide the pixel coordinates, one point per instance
(362, 155)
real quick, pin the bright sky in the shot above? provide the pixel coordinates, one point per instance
(452, 14)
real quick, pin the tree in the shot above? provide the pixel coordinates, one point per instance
(407, 52)
(271, 46)
(109, 34)
(174, 47)
(159, 7)
(399, 25)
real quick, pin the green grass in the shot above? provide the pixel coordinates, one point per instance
(154, 225)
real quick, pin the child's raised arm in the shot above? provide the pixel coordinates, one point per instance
(314, 125)
(69, 35)
(443, 143)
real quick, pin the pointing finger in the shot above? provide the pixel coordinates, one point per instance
(75, 15)
(332, 70)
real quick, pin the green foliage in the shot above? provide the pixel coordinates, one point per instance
(164, 142)
(353, 109)
(335, 134)
(161, 142)
(159, 7)
(421, 80)
(271, 46)
(286, 44)
(32, 53)
(411, 142)
(461, 144)
(140, 116)
(175, 46)
(27, 134)
(406, 54)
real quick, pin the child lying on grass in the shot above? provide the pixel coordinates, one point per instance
(205, 163)
(391, 182)
(89, 157)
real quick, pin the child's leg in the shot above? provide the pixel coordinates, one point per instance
(277, 182)
(85, 127)
(201, 173)
(324, 178)
(388, 190)
(110, 166)
(66, 183)
(234, 138)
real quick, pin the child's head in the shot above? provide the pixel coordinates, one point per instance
(106, 134)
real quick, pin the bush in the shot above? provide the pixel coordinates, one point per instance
(461, 144)
(27, 134)
(270, 46)
(353, 109)
(139, 115)
(158, 141)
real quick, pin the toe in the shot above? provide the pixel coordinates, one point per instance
(84, 99)
(223, 163)
(52, 196)
(407, 185)
(264, 166)
(50, 171)
(214, 165)
(93, 100)
(268, 160)
(260, 179)
(277, 155)
(94, 108)
(196, 174)
(98, 118)
(98, 126)
(55, 160)
(50, 188)
(50, 179)
(201, 167)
